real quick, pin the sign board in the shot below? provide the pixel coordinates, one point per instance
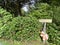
(45, 20)
(45, 36)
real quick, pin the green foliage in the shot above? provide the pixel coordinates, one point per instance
(5, 17)
(54, 28)
(26, 28)
(54, 36)
(3, 12)
(57, 15)
(22, 28)
(18, 28)
(43, 10)
(55, 2)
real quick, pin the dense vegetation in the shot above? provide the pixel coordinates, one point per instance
(18, 28)
(19, 25)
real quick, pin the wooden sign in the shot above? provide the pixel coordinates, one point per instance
(45, 20)
(45, 35)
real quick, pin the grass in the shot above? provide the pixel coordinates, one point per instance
(10, 42)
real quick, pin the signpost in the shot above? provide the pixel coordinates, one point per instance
(43, 33)
(45, 20)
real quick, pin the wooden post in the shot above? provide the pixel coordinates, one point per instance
(44, 27)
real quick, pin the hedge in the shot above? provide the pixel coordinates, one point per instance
(18, 28)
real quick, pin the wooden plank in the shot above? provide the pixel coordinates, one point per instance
(45, 20)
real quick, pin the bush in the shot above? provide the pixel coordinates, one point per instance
(43, 10)
(22, 28)
(5, 17)
(54, 28)
(18, 28)
(54, 36)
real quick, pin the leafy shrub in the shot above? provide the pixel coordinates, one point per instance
(5, 17)
(22, 28)
(18, 28)
(54, 28)
(54, 36)
(43, 10)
